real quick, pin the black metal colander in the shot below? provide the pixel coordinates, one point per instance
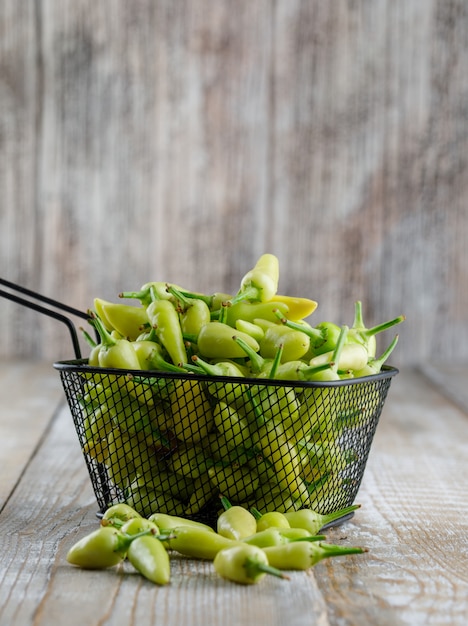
(175, 443)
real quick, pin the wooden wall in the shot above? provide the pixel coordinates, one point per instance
(179, 140)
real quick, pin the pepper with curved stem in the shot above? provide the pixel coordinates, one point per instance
(367, 336)
(313, 521)
(374, 365)
(261, 282)
(300, 555)
(244, 564)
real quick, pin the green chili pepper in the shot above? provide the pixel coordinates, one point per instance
(302, 555)
(126, 319)
(100, 549)
(374, 365)
(189, 460)
(194, 312)
(227, 392)
(170, 522)
(232, 425)
(285, 458)
(197, 543)
(295, 343)
(235, 522)
(114, 353)
(215, 340)
(279, 536)
(192, 414)
(150, 558)
(165, 320)
(238, 483)
(270, 519)
(366, 336)
(151, 356)
(251, 329)
(244, 564)
(118, 514)
(313, 521)
(137, 525)
(203, 491)
(261, 282)
(246, 311)
(322, 337)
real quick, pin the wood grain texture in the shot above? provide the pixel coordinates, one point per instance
(179, 141)
(29, 396)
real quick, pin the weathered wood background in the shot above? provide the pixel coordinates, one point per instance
(162, 140)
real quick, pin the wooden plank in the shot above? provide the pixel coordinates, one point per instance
(30, 393)
(177, 141)
(413, 518)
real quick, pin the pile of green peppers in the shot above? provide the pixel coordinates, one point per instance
(244, 548)
(237, 418)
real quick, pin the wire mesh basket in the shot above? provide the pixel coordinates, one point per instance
(175, 443)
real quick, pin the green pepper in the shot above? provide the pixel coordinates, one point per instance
(225, 391)
(150, 558)
(118, 514)
(250, 328)
(313, 521)
(194, 312)
(244, 564)
(203, 492)
(126, 319)
(271, 519)
(235, 522)
(215, 340)
(114, 353)
(192, 414)
(197, 543)
(285, 458)
(322, 337)
(302, 555)
(189, 460)
(249, 311)
(237, 483)
(169, 522)
(151, 356)
(149, 292)
(232, 425)
(100, 549)
(295, 342)
(261, 282)
(366, 336)
(165, 320)
(374, 365)
(279, 536)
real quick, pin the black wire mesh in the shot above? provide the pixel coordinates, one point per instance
(175, 443)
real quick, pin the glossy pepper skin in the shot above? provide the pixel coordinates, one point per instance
(313, 521)
(165, 320)
(236, 522)
(261, 282)
(197, 543)
(114, 353)
(100, 549)
(126, 319)
(244, 564)
(215, 340)
(302, 555)
(149, 557)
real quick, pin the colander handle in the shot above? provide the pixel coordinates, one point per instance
(30, 300)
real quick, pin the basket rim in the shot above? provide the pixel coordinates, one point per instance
(81, 366)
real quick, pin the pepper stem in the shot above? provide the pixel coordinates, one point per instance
(377, 363)
(253, 567)
(256, 360)
(106, 338)
(332, 517)
(276, 362)
(225, 502)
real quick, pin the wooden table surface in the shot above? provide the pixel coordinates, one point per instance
(413, 520)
